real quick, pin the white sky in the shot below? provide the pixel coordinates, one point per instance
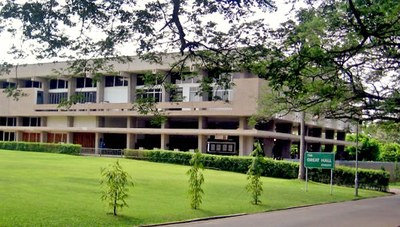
(6, 41)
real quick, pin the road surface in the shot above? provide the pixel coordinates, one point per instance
(376, 212)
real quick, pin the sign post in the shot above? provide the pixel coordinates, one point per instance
(319, 160)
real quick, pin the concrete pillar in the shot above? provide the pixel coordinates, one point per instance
(132, 80)
(17, 136)
(100, 89)
(202, 139)
(314, 132)
(329, 134)
(202, 143)
(202, 122)
(130, 141)
(284, 145)
(243, 123)
(164, 141)
(245, 145)
(97, 144)
(286, 148)
(45, 87)
(70, 137)
(340, 148)
(71, 86)
(268, 146)
(43, 137)
(165, 93)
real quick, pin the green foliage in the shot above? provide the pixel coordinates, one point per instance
(368, 149)
(373, 179)
(254, 185)
(115, 182)
(396, 171)
(196, 180)
(41, 147)
(385, 131)
(390, 152)
(370, 179)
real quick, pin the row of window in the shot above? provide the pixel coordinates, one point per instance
(26, 121)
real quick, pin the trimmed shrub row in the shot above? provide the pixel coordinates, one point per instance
(370, 179)
(41, 147)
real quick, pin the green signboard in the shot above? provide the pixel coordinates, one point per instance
(319, 160)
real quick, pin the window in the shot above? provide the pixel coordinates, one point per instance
(31, 121)
(30, 83)
(194, 94)
(225, 95)
(56, 98)
(115, 81)
(39, 97)
(153, 94)
(139, 80)
(84, 82)
(8, 121)
(8, 84)
(85, 97)
(58, 84)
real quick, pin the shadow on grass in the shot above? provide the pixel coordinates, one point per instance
(122, 218)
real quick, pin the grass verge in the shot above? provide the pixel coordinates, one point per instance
(40, 189)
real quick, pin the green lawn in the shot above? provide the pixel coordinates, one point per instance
(395, 185)
(39, 189)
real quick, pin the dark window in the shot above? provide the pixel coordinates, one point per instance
(140, 80)
(53, 84)
(29, 83)
(62, 84)
(8, 84)
(39, 99)
(109, 81)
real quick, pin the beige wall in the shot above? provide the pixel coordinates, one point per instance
(85, 122)
(57, 122)
(22, 107)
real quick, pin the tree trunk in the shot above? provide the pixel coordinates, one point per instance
(302, 171)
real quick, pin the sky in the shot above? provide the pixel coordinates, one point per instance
(6, 41)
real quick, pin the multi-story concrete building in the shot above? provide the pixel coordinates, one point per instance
(105, 117)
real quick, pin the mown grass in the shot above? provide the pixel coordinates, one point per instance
(38, 189)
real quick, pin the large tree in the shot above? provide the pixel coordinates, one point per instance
(339, 59)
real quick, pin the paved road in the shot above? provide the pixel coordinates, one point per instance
(376, 212)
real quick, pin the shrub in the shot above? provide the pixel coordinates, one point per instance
(254, 186)
(196, 179)
(390, 152)
(371, 179)
(41, 147)
(116, 182)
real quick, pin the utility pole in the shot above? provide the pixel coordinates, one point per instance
(356, 174)
(302, 171)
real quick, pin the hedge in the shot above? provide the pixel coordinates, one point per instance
(41, 147)
(370, 179)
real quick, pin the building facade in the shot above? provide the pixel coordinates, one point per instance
(104, 117)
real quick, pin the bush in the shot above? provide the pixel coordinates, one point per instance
(390, 152)
(370, 179)
(41, 147)
(368, 150)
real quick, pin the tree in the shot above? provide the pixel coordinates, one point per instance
(254, 185)
(384, 131)
(339, 59)
(153, 29)
(115, 182)
(369, 148)
(196, 180)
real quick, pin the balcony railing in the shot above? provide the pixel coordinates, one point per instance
(164, 106)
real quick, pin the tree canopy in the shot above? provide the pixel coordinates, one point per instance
(337, 59)
(340, 59)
